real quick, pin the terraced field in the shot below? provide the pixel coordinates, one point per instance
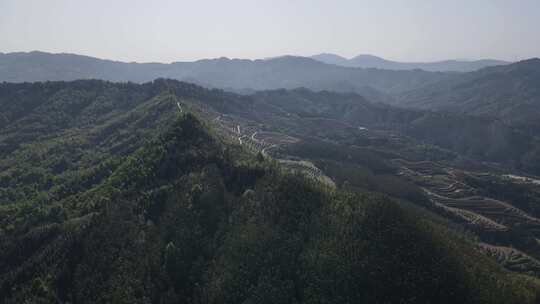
(512, 259)
(275, 138)
(267, 143)
(496, 210)
(451, 193)
(309, 169)
(471, 217)
(447, 189)
(523, 179)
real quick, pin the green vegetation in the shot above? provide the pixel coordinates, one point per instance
(509, 93)
(110, 195)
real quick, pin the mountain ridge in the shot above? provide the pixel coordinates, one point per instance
(231, 74)
(510, 92)
(371, 61)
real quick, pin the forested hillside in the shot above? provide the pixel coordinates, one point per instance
(510, 93)
(125, 193)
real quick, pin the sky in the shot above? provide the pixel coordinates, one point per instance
(168, 30)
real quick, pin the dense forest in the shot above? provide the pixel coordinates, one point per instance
(127, 193)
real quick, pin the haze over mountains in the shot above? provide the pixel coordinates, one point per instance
(495, 88)
(235, 74)
(507, 91)
(370, 61)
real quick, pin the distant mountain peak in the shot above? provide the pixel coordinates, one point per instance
(330, 58)
(372, 61)
(329, 55)
(368, 56)
(295, 59)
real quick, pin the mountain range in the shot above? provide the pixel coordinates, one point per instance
(370, 61)
(233, 74)
(509, 92)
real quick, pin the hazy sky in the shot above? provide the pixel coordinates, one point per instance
(406, 30)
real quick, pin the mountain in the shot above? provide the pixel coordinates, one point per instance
(125, 193)
(231, 74)
(370, 61)
(510, 93)
(331, 59)
(483, 139)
